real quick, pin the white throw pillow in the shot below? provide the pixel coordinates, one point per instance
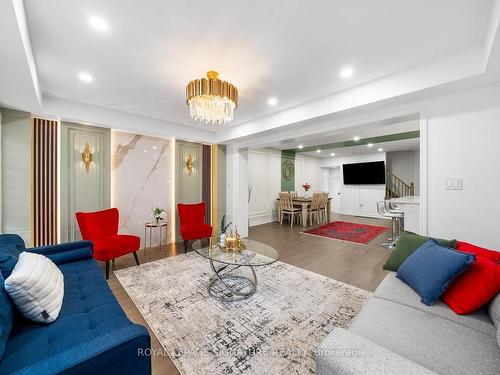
(36, 286)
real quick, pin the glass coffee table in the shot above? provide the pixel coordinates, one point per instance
(227, 285)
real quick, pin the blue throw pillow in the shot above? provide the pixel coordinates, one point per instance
(11, 245)
(6, 316)
(432, 268)
(9, 254)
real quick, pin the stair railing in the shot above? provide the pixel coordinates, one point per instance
(397, 188)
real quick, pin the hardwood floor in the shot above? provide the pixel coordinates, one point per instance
(358, 265)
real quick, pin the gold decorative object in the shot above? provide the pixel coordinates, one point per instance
(189, 164)
(211, 100)
(233, 242)
(87, 157)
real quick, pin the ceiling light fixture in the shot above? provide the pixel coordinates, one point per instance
(211, 100)
(355, 139)
(98, 23)
(332, 154)
(369, 145)
(380, 149)
(301, 147)
(85, 77)
(318, 151)
(272, 101)
(347, 72)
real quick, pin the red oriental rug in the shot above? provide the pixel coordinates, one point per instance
(346, 231)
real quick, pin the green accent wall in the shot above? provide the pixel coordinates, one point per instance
(287, 170)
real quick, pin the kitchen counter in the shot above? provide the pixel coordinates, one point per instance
(407, 200)
(411, 210)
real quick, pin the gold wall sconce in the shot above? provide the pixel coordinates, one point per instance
(189, 164)
(87, 157)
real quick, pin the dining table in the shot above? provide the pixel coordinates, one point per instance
(305, 203)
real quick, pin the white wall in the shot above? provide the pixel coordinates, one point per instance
(463, 141)
(358, 200)
(16, 174)
(264, 177)
(237, 183)
(405, 165)
(307, 169)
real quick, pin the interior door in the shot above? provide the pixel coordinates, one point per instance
(335, 189)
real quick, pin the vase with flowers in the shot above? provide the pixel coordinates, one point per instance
(306, 188)
(159, 215)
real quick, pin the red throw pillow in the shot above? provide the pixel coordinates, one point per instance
(478, 284)
(480, 251)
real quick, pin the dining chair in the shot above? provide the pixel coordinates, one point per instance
(323, 207)
(287, 208)
(314, 209)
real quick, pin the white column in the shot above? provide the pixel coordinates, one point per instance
(237, 188)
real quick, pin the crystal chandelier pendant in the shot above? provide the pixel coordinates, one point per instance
(211, 100)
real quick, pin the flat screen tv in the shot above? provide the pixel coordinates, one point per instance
(372, 173)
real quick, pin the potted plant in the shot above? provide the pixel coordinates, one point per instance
(306, 188)
(159, 215)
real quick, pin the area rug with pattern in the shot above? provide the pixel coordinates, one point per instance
(275, 331)
(347, 231)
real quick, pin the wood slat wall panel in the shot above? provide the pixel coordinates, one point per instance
(45, 177)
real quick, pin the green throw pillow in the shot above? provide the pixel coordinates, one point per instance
(409, 242)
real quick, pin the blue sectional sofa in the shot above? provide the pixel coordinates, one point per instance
(92, 334)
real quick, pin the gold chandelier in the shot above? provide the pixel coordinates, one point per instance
(211, 100)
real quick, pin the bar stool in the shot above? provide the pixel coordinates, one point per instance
(393, 208)
(394, 224)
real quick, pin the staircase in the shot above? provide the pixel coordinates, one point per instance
(397, 188)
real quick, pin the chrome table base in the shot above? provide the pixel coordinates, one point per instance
(226, 286)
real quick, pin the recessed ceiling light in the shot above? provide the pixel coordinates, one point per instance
(380, 149)
(355, 139)
(332, 154)
(272, 101)
(301, 147)
(98, 23)
(369, 145)
(85, 77)
(347, 72)
(318, 151)
(145, 151)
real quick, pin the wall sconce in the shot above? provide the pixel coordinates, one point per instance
(189, 164)
(86, 157)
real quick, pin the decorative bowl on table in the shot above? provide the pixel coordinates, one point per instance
(233, 243)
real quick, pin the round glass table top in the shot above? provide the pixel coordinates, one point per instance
(255, 253)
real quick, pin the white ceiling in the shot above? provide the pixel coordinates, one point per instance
(402, 145)
(367, 130)
(292, 50)
(395, 125)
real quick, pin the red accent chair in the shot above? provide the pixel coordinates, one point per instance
(101, 227)
(192, 222)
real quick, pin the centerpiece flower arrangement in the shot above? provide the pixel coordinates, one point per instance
(159, 215)
(306, 187)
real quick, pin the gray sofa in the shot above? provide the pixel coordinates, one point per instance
(396, 334)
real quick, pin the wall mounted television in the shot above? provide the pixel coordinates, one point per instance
(372, 173)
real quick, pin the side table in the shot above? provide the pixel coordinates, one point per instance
(148, 229)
